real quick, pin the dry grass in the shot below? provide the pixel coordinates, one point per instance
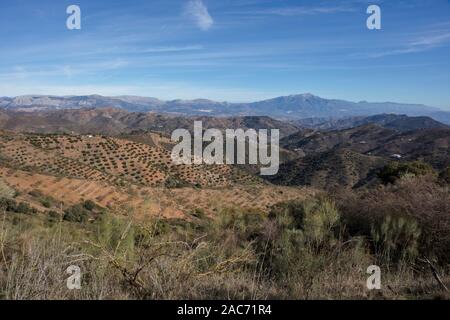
(300, 251)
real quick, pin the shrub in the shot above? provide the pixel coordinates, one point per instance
(199, 213)
(46, 203)
(36, 193)
(8, 204)
(396, 239)
(25, 208)
(116, 235)
(397, 170)
(12, 206)
(314, 217)
(89, 205)
(53, 216)
(419, 201)
(173, 182)
(76, 213)
(300, 235)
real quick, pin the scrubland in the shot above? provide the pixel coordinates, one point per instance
(317, 247)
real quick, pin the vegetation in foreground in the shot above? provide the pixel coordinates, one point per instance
(317, 248)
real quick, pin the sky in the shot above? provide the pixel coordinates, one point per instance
(228, 50)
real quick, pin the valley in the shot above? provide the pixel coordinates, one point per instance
(98, 185)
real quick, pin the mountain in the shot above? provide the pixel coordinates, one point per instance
(391, 121)
(110, 121)
(289, 107)
(350, 158)
(431, 145)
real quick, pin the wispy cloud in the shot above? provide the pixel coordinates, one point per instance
(169, 49)
(291, 11)
(418, 44)
(305, 10)
(198, 12)
(431, 41)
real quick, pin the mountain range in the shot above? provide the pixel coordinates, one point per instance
(393, 121)
(291, 107)
(112, 121)
(352, 157)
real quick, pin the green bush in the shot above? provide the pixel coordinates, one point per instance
(117, 235)
(397, 170)
(11, 205)
(299, 234)
(76, 213)
(89, 205)
(246, 225)
(396, 239)
(314, 217)
(46, 201)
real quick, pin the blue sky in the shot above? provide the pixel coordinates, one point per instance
(234, 50)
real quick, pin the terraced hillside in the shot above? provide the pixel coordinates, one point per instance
(116, 161)
(142, 202)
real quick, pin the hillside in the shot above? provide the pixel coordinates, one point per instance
(390, 121)
(351, 157)
(113, 160)
(337, 168)
(111, 121)
(431, 145)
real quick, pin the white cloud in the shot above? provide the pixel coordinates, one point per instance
(424, 43)
(291, 11)
(432, 40)
(198, 12)
(297, 11)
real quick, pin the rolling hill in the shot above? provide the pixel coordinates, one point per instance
(112, 121)
(430, 145)
(351, 157)
(336, 168)
(116, 161)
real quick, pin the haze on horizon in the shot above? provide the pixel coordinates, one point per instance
(234, 50)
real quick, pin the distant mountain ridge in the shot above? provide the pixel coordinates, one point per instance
(112, 121)
(352, 157)
(390, 121)
(291, 107)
